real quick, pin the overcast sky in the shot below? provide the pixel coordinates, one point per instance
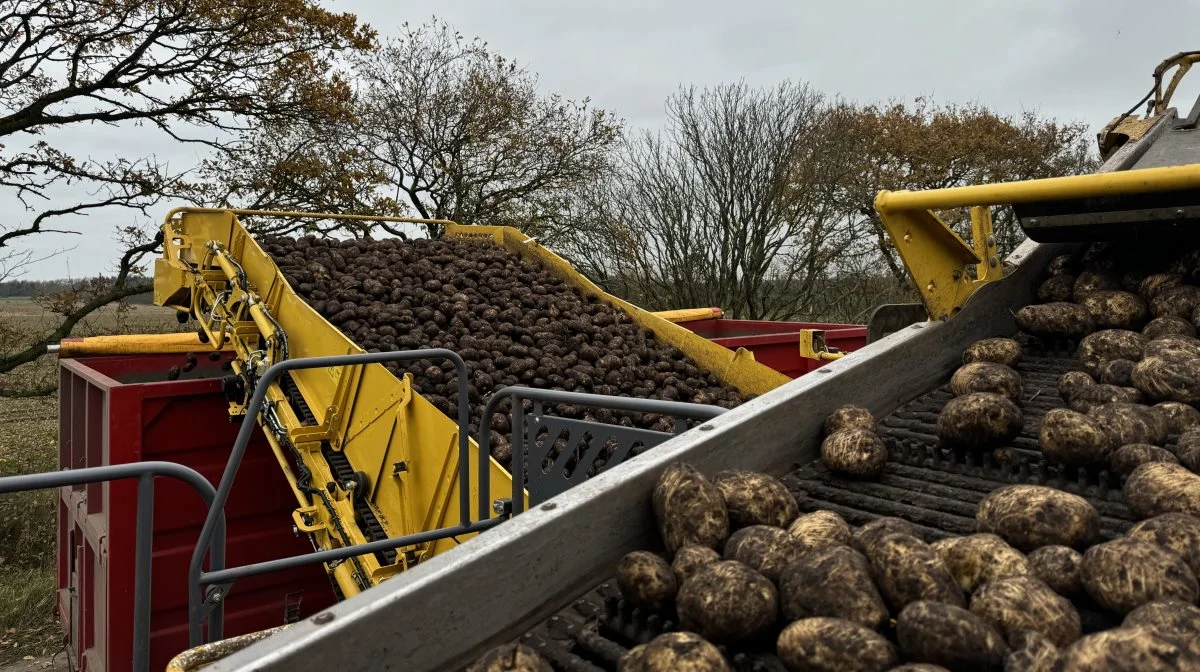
(1086, 60)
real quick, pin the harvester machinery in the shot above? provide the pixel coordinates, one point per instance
(544, 578)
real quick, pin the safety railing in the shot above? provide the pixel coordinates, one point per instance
(543, 475)
(144, 472)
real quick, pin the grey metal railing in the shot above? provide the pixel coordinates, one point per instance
(548, 474)
(144, 472)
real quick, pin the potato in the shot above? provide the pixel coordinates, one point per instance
(1025, 603)
(1108, 344)
(1152, 284)
(1074, 438)
(1117, 372)
(986, 377)
(1071, 382)
(727, 600)
(1031, 516)
(512, 657)
(1123, 574)
(868, 535)
(849, 417)
(1177, 301)
(1088, 398)
(979, 421)
(1169, 378)
(689, 509)
(1058, 567)
(806, 591)
(854, 452)
(1168, 325)
(763, 548)
(1132, 455)
(682, 651)
(1187, 448)
(1173, 345)
(1063, 264)
(1055, 320)
(819, 529)
(1127, 423)
(1031, 652)
(1134, 649)
(1089, 281)
(1004, 351)
(1114, 309)
(1180, 417)
(833, 645)
(980, 558)
(950, 636)
(689, 559)
(906, 569)
(1156, 488)
(1169, 618)
(646, 580)
(1056, 289)
(1176, 532)
(754, 498)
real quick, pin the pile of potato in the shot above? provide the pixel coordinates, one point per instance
(852, 446)
(512, 321)
(985, 412)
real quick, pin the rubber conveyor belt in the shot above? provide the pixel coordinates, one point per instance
(925, 483)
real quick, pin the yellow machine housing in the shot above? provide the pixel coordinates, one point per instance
(213, 269)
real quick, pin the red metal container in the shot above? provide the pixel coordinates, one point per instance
(777, 344)
(121, 409)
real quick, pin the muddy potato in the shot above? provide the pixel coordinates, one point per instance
(754, 498)
(1004, 351)
(1133, 649)
(950, 636)
(1168, 325)
(806, 591)
(979, 421)
(854, 452)
(1173, 345)
(682, 651)
(689, 559)
(1056, 289)
(646, 580)
(1156, 488)
(1169, 618)
(979, 558)
(1123, 574)
(1114, 309)
(1088, 282)
(868, 535)
(1074, 438)
(1055, 320)
(833, 645)
(764, 549)
(1169, 378)
(1132, 455)
(1031, 652)
(1063, 264)
(1088, 398)
(819, 529)
(1071, 382)
(1177, 301)
(1108, 344)
(726, 601)
(689, 509)
(1025, 603)
(1127, 423)
(1176, 532)
(1117, 372)
(511, 658)
(1180, 417)
(1058, 567)
(986, 377)
(1032, 516)
(1151, 285)
(849, 417)
(1187, 448)
(906, 569)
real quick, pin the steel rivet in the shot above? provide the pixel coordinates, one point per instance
(549, 506)
(824, 370)
(705, 428)
(322, 618)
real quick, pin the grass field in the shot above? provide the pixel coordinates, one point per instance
(28, 440)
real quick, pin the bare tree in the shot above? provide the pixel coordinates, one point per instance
(197, 72)
(463, 133)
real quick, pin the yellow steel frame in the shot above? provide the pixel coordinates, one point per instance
(939, 260)
(682, 315)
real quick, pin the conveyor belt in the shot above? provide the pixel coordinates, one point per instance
(936, 488)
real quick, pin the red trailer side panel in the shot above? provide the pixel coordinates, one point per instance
(777, 344)
(121, 409)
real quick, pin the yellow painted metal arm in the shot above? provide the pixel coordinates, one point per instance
(812, 346)
(690, 314)
(132, 344)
